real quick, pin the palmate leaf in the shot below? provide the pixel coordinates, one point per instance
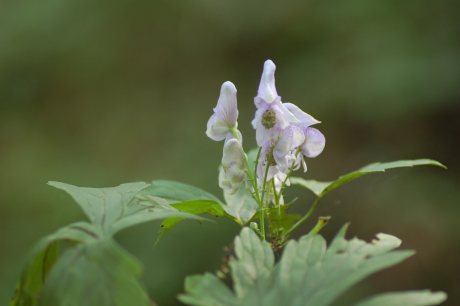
(411, 298)
(320, 189)
(308, 273)
(115, 208)
(240, 206)
(33, 277)
(43, 257)
(178, 192)
(184, 198)
(91, 247)
(98, 273)
(194, 207)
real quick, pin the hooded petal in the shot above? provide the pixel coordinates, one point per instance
(267, 89)
(227, 108)
(225, 113)
(304, 118)
(314, 143)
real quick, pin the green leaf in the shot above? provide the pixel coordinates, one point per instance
(254, 265)
(178, 192)
(280, 221)
(42, 258)
(193, 207)
(308, 272)
(209, 291)
(97, 273)
(409, 298)
(240, 205)
(33, 277)
(320, 189)
(115, 208)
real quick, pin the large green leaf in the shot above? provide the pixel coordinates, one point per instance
(320, 189)
(178, 192)
(97, 273)
(308, 272)
(193, 207)
(33, 277)
(409, 298)
(115, 208)
(42, 259)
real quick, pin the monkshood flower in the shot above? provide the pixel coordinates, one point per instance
(225, 116)
(280, 153)
(271, 115)
(232, 172)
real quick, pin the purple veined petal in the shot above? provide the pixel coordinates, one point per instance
(314, 143)
(267, 89)
(217, 129)
(227, 108)
(261, 135)
(304, 118)
(289, 140)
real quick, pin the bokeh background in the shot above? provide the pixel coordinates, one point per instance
(97, 93)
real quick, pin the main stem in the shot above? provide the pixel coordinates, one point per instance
(262, 206)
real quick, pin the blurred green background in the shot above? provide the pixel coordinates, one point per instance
(96, 93)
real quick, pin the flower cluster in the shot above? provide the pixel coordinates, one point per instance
(284, 135)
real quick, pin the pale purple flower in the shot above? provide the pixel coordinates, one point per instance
(271, 115)
(225, 115)
(232, 172)
(285, 147)
(279, 154)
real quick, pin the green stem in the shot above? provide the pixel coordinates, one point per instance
(322, 222)
(262, 209)
(304, 218)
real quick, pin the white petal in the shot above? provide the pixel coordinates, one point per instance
(217, 129)
(227, 108)
(290, 138)
(267, 89)
(232, 173)
(314, 143)
(302, 116)
(233, 153)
